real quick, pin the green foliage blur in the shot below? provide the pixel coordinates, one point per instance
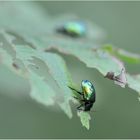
(117, 114)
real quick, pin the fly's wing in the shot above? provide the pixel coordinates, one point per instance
(93, 97)
(121, 79)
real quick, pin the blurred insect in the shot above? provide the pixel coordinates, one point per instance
(73, 29)
(88, 95)
(118, 79)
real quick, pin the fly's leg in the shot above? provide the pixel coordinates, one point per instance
(83, 100)
(75, 97)
(79, 107)
(76, 90)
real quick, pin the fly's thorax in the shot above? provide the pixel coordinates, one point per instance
(88, 89)
(77, 28)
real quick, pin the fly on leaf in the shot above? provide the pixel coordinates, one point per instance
(88, 95)
(73, 29)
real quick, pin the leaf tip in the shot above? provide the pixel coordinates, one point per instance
(85, 118)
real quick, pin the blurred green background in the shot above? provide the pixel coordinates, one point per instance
(118, 109)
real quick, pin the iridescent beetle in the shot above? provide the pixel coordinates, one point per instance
(73, 28)
(88, 95)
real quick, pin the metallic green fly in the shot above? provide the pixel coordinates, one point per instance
(73, 29)
(88, 95)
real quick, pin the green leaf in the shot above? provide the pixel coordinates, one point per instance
(57, 69)
(40, 90)
(88, 53)
(123, 55)
(85, 118)
(82, 48)
(134, 82)
(27, 34)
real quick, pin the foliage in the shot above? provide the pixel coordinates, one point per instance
(28, 39)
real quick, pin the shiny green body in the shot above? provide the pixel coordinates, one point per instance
(88, 89)
(73, 28)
